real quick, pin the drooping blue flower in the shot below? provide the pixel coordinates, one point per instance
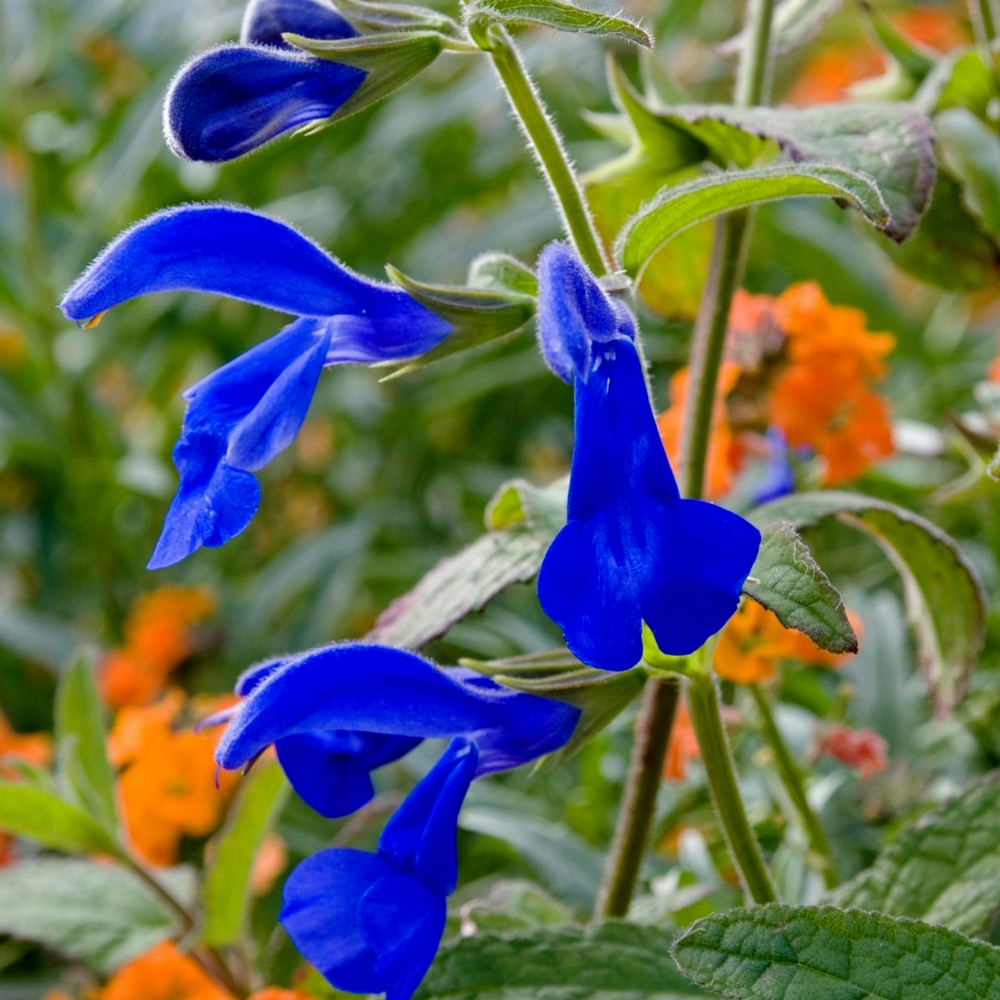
(632, 551)
(241, 416)
(232, 99)
(336, 713)
(371, 923)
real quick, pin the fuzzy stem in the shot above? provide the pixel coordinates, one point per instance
(652, 735)
(209, 958)
(656, 717)
(791, 778)
(546, 145)
(706, 719)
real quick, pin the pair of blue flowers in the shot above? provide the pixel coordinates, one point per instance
(632, 551)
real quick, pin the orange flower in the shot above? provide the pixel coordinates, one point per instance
(276, 993)
(162, 974)
(683, 745)
(268, 864)
(33, 748)
(822, 400)
(158, 637)
(754, 643)
(864, 750)
(725, 456)
(168, 788)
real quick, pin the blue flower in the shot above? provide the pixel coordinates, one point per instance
(232, 99)
(632, 551)
(241, 416)
(336, 713)
(371, 923)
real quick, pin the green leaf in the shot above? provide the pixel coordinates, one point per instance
(795, 22)
(674, 209)
(944, 599)
(523, 520)
(390, 59)
(943, 869)
(227, 892)
(951, 248)
(101, 915)
(806, 953)
(961, 80)
(80, 741)
(37, 814)
(563, 17)
(787, 580)
(970, 152)
(478, 315)
(891, 142)
(605, 960)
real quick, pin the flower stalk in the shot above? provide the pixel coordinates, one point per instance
(706, 719)
(656, 716)
(546, 145)
(791, 778)
(639, 803)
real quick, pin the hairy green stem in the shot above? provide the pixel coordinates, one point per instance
(706, 719)
(209, 958)
(635, 819)
(791, 778)
(546, 145)
(656, 717)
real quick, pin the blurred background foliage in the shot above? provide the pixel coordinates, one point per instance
(388, 477)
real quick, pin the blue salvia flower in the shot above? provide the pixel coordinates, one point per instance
(241, 416)
(632, 551)
(232, 99)
(336, 713)
(371, 923)
(779, 475)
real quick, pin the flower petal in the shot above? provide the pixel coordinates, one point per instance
(574, 313)
(265, 20)
(238, 419)
(421, 836)
(403, 923)
(332, 771)
(232, 99)
(331, 689)
(320, 913)
(245, 255)
(633, 550)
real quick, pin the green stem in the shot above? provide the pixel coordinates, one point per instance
(706, 719)
(791, 778)
(547, 146)
(656, 718)
(209, 958)
(653, 726)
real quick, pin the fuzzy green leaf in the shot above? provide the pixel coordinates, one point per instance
(787, 580)
(676, 208)
(943, 869)
(523, 520)
(101, 915)
(807, 953)
(944, 599)
(610, 960)
(564, 17)
(227, 892)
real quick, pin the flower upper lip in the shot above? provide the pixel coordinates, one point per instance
(243, 414)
